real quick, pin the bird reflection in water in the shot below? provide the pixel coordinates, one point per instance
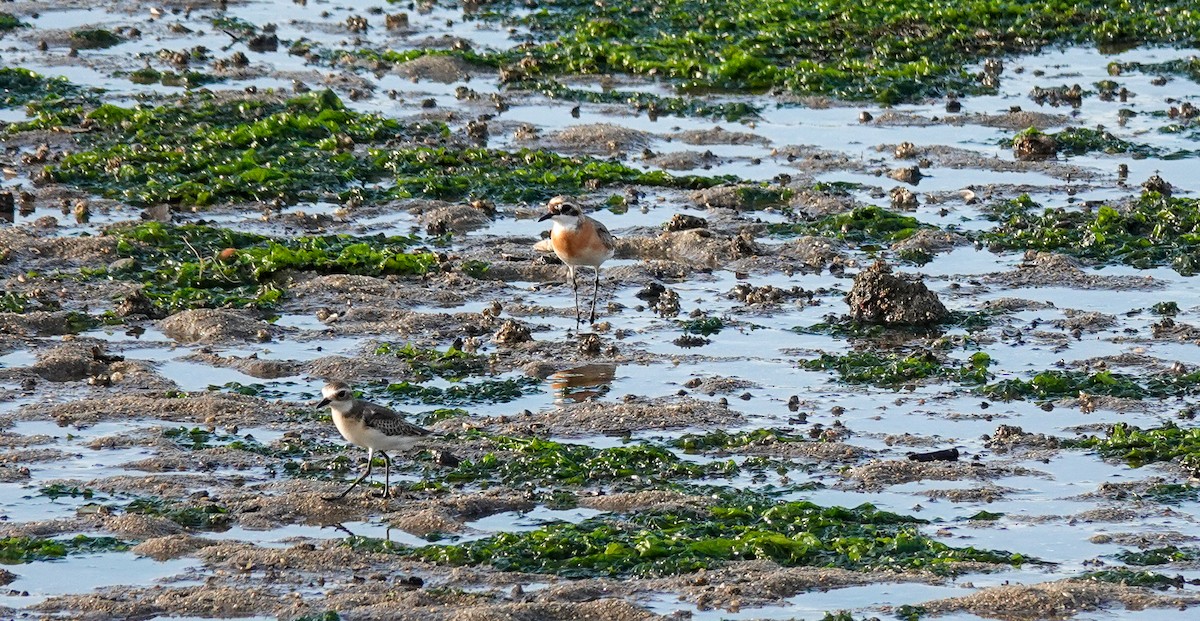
(580, 384)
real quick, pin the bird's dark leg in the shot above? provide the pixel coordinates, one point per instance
(595, 293)
(575, 285)
(387, 481)
(366, 473)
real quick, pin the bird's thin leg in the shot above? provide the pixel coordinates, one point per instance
(366, 473)
(595, 293)
(575, 285)
(387, 481)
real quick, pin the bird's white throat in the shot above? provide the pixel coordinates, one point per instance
(569, 223)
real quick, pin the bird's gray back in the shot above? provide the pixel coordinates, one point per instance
(386, 420)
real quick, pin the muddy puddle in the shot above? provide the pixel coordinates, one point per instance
(168, 462)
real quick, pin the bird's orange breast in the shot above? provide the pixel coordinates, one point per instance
(580, 245)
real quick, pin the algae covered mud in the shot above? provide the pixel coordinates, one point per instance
(902, 321)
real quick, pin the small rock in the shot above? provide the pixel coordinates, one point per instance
(1034, 146)
(511, 333)
(683, 222)
(905, 151)
(909, 174)
(903, 199)
(589, 344)
(397, 21)
(1157, 184)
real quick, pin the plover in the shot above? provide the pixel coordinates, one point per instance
(578, 240)
(371, 426)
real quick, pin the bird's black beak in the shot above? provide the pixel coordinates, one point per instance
(545, 216)
(323, 403)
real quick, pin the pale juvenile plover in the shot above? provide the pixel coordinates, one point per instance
(578, 240)
(371, 426)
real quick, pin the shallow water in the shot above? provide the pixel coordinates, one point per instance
(760, 347)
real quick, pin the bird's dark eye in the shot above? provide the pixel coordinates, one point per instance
(342, 395)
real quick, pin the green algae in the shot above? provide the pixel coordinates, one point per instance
(300, 456)
(889, 370)
(1165, 309)
(15, 550)
(1082, 140)
(13, 302)
(1173, 493)
(846, 327)
(1159, 556)
(1151, 231)
(536, 461)
(199, 515)
(861, 225)
(452, 364)
(511, 176)
(704, 326)
(201, 150)
(255, 389)
(1139, 447)
(8, 21)
(440, 414)
(908, 612)
(191, 266)
(890, 52)
(21, 86)
(465, 393)
(722, 440)
(94, 39)
(657, 543)
(1184, 67)
(189, 79)
(55, 491)
(653, 105)
(196, 439)
(233, 24)
(1057, 384)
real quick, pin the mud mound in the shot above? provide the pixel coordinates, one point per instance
(170, 546)
(250, 365)
(453, 218)
(600, 138)
(718, 135)
(627, 502)
(815, 253)
(635, 414)
(879, 474)
(438, 68)
(198, 409)
(680, 160)
(215, 325)
(1055, 600)
(931, 242)
(878, 296)
(33, 251)
(696, 247)
(751, 583)
(1048, 269)
(38, 323)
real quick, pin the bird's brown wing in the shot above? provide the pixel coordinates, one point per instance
(606, 238)
(389, 422)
